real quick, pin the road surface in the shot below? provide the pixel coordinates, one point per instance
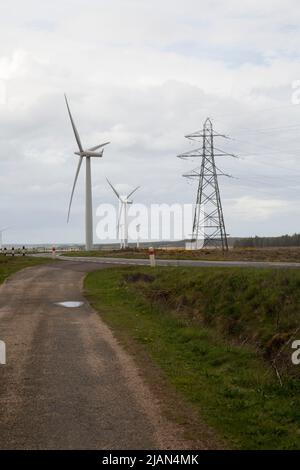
(67, 383)
(163, 262)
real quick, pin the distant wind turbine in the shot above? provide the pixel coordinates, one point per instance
(124, 201)
(87, 154)
(1, 235)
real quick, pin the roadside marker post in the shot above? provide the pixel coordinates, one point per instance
(152, 257)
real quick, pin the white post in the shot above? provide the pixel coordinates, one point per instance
(152, 257)
(88, 207)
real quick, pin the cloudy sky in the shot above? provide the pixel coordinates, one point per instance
(142, 74)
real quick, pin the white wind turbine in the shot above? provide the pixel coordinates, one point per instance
(1, 235)
(87, 154)
(124, 201)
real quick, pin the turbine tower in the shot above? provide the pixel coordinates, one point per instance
(1, 236)
(87, 154)
(124, 201)
(208, 225)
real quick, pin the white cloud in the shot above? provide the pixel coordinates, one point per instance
(251, 208)
(142, 74)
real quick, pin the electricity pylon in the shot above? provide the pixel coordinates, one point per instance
(208, 224)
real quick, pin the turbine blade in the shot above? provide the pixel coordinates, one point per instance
(114, 190)
(74, 127)
(138, 187)
(74, 184)
(92, 149)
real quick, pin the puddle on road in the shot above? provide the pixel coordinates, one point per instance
(69, 304)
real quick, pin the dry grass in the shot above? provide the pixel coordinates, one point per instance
(237, 254)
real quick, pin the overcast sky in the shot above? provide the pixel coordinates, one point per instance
(142, 74)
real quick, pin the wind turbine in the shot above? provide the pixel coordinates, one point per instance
(87, 154)
(1, 235)
(124, 201)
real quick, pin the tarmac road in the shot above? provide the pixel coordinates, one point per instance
(67, 383)
(162, 262)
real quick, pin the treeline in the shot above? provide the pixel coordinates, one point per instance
(266, 242)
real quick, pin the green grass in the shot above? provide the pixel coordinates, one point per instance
(288, 254)
(11, 264)
(209, 331)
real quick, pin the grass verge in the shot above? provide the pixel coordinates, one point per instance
(11, 264)
(237, 254)
(212, 334)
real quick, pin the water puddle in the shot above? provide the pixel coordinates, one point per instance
(70, 304)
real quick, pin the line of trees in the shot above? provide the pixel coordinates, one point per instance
(266, 242)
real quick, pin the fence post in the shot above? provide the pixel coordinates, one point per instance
(152, 257)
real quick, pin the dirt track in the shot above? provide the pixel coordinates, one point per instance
(67, 383)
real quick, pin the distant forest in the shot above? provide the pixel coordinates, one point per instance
(265, 242)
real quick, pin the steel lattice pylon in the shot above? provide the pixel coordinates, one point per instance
(208, 224)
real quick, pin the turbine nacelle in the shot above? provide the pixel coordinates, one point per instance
(87, 153)
(124, 200)
(92, 152)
